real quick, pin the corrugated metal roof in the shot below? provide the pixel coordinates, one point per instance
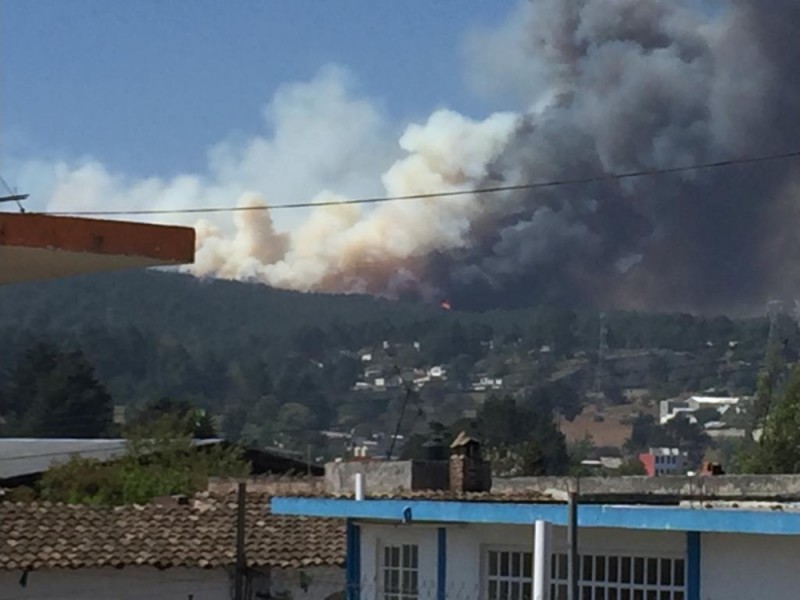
(28, 456)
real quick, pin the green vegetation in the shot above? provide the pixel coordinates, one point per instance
(778, 450)
(52, 393)
(160, 461)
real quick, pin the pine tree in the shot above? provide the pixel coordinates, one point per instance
(779, 447)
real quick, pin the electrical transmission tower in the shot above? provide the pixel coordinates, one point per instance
(774, 312)
(602, 351)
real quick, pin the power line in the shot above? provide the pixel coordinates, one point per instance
(444, 194)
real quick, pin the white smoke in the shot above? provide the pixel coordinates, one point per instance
(319, 134)
(327, 145)
(347, 248)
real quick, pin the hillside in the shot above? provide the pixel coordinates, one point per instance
(279, 364)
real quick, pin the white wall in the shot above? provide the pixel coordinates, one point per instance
(322, 582)
(116, 584)
(749, 567)
(466, 544)
(145, 583)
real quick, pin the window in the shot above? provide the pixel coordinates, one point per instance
(621, 578)
(509, 575)
(401, 572)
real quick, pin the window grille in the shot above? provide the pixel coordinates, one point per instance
(401, 572)
(621, 578)
(509, 575)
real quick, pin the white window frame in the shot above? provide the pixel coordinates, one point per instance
(649, 581)
(407, 569)
(522, 580)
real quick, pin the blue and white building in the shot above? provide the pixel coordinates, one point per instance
(409, 549)
(451, 545)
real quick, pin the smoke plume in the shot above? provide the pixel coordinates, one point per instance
(603, 86)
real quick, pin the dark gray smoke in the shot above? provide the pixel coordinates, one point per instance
(647, 84)
(607, 86)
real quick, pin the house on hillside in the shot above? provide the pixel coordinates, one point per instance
(183, 549)
(664, 461)
(511, 544)
(483, 383)
(669, 409)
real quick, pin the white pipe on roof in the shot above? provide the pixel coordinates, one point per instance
(359, 486)
(541, 554)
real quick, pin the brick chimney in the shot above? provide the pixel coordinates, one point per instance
(468, 471)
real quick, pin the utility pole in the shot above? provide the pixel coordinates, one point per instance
(573, 558)
(241, 563)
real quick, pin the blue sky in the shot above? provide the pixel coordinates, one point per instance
(147, 86)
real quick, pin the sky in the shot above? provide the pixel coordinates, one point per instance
(148, 87)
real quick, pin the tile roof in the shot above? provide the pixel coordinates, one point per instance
(201, 533)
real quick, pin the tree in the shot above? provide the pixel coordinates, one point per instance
(631, 467)
(460, 369)
(641, 433)
(159, 461)
(768, 386)
(52, 393)
(706, 414)
(526, 438)
(197, 422)
(344, 372)
(779, 448)
(556, 397)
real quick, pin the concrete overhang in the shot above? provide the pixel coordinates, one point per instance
(36, 247)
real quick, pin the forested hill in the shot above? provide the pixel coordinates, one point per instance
(198, 312)
(249, 352)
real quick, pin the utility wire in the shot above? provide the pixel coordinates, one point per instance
(444, 194)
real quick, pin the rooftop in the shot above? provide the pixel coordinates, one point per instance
(35, 247)
(25, 456)
(746, 517)
(201, 533)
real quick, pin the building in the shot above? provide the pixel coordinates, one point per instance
(669, 409)
(664, 461)
(36, 247)
(512, 544)
(484, 382)
(181, 549)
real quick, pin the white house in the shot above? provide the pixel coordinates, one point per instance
(669, 409)
(437, 372)
(180, 550)
(455, 545)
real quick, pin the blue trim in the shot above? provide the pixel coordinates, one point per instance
(441, 564)
(352, 561)
(693, 554)
(674, 518)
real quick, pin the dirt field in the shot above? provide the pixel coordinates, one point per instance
(610, 431)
